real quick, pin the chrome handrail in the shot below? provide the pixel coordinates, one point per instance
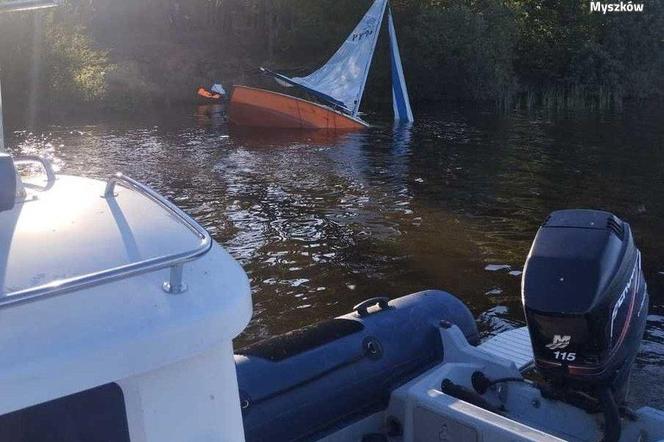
(175, 261)
(46, 164)
(27, 5)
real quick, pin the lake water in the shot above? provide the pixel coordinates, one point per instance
(321, 222)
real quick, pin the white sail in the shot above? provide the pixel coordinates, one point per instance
(341, 81)
(343, 77)
(400, 98)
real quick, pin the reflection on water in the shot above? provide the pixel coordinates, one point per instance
(321, 221)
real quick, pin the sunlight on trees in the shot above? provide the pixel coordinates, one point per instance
(124, 53)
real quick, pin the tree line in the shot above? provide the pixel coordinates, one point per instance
(133, 53)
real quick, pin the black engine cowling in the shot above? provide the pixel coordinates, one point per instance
(586, 301)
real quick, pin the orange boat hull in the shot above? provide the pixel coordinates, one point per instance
(262, 108)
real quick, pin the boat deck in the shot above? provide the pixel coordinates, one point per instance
(513, 345)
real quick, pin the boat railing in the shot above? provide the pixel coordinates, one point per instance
(175, 262)
(27, 5)
(46, 165)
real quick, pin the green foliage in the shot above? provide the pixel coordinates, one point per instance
(468, 50)
(76, 71)
(126, 53)
(569, 57)
(48, 57)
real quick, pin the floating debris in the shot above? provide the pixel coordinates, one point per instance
(494, 292)
(419, 180)
(516, 273)
(298, 282)
(497, 267)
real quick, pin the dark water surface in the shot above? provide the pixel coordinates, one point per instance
(321, 222)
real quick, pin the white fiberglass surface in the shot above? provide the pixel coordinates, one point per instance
(71, 230)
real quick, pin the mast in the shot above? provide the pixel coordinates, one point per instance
(400, 98)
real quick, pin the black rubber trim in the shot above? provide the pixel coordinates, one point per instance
(296, 342)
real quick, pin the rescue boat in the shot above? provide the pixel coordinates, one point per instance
(119, 311)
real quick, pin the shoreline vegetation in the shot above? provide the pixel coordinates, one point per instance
(124, 55)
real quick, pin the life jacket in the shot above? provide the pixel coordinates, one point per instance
(207, 94)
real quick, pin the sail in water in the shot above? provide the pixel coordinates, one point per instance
(341, 81)
(343, 77)
(339, 85)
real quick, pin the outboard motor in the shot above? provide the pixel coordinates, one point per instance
(586, 303)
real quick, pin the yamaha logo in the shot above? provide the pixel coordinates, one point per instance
(559, 342)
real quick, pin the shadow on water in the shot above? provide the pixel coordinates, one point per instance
(282, 138)
(321, 221)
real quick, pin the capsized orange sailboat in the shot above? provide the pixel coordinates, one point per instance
(338, 86)
(262, 108)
